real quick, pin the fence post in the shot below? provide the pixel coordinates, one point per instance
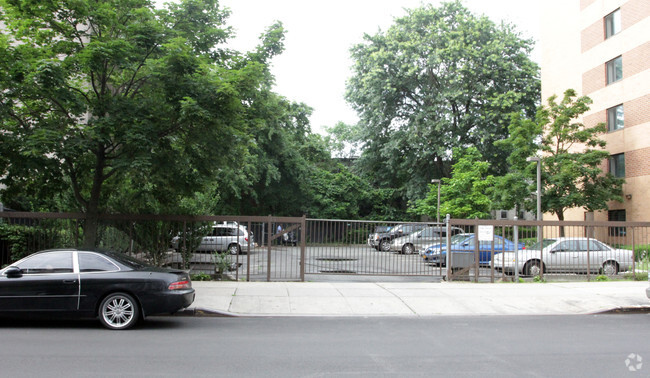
(448, 248)
(270, 240)
(303, 227)
(516, 231)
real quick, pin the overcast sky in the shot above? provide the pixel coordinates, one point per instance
(316, 62)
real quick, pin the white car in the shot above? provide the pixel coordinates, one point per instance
(224, 237)
(421, 239)
(567, 254)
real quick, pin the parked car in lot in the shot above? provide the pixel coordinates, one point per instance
(230, 237)
(116, 288)
(421, 239)
(465, 243)
(374, 236)
(567, 254)
(382, 241)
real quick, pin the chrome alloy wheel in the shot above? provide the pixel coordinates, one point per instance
(118, 311)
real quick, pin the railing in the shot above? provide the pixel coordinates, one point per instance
(306, 248)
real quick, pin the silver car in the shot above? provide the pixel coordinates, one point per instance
(572, 254)
(223, 237)
(421, 239)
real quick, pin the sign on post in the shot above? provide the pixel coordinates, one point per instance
(485, 233)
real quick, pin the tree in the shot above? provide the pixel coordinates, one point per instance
(97, 95)
(438, 79)
(572, 156)
(465, 194)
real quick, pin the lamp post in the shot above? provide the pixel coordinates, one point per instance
(539, 184)
(538, 160)
(437, 181)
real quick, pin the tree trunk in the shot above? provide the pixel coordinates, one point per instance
(91, 224)
(560, 217)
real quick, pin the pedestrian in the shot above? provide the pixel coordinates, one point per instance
(279, 233)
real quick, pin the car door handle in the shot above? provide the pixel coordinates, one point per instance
(69, 281)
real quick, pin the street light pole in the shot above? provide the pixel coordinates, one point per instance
(538, 160)
(434, 181)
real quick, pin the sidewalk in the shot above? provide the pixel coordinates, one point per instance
(419, 299)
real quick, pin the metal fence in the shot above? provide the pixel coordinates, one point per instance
(298, 249)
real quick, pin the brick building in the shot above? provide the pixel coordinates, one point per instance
(601, 48)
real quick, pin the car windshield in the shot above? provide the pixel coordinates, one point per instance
(545, 243)
(456, 239)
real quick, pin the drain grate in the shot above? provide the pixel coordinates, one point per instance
(338, 271)
(336, 259)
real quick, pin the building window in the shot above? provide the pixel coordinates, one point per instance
(615, 118)
(617, 165)
(616, 216)
(614, 70)
(612, 23)
(504, 214)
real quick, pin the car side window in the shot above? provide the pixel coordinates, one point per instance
(50, 262)
(596, 246)
(91, 262)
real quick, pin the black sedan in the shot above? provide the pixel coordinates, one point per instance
(112, 286)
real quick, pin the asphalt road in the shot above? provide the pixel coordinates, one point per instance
(504, 346)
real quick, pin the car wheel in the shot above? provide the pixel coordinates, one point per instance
(610, 268)
(234, 249)
(533, 268)
(118, 311)
(384, 245)
(407, 249)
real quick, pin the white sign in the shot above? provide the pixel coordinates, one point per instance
(485, 233)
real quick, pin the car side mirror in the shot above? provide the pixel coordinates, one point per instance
(13, 272)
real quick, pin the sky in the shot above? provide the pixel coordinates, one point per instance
(316, 64)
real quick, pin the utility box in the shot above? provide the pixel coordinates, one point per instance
(460, 260)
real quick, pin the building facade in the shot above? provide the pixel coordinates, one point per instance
(601, 48)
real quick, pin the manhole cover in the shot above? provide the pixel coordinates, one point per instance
(336, 259)
(339, 271)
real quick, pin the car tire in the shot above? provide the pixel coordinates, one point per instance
(533, 268)
(408, 249)
(119, 311)
(610, 268)
(384, 245)
(234, 249)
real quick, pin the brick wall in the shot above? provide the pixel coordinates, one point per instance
(634, 11)
(594, 79)
(637, 111)
(634, 61)
(636, 162)
(592, 35)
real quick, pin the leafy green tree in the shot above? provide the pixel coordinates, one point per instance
(465, 194)
(437, 79)
(513, 190)
(572, 157)
(101, 97)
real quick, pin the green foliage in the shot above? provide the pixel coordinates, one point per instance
(437, 79)
(572, 159)
(114, 106)
(222, 262)
(201, 277)
(602, 278)
(539, 279)
(465, 194)
(636, 276)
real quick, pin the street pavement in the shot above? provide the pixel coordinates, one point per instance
(415, 299)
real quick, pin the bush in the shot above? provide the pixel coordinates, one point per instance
(201, 277)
